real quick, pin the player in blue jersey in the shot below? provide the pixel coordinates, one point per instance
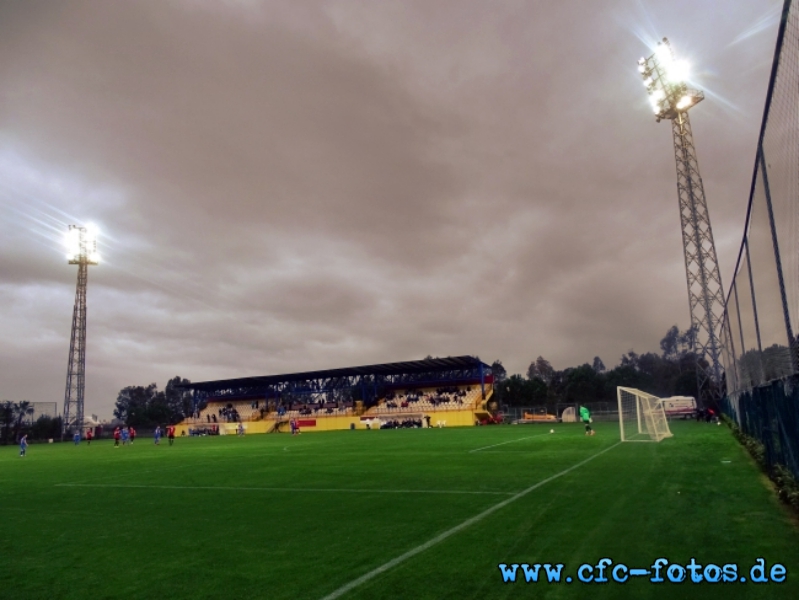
(125, 435)
(23, 445)
(157, 435)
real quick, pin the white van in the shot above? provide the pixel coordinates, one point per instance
(679, 406)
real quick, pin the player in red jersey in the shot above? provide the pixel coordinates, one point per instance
(89, 436)
(116, 437)
(170, 433)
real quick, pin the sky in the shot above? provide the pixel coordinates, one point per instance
(287, 186)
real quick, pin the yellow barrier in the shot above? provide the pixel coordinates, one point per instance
(448, 418)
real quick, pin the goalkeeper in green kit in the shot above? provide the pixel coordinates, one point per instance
(585, 417)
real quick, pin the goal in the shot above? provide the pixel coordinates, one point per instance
(641, 416)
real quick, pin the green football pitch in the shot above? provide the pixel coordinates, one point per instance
(422, 513)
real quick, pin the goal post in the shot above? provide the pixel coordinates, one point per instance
(642, 417)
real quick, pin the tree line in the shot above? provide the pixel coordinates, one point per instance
(147, 406)
(670, 373)
(15, 421)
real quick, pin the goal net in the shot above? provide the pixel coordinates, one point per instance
(641, 416)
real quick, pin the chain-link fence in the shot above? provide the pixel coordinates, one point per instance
(762, 305)
(762, 308)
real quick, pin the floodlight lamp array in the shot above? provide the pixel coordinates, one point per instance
(665, 81)
(81, 245)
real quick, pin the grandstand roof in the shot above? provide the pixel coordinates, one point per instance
(429, 365)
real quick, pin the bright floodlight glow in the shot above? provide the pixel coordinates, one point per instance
(664, 55)
(678, 72)
(684, 102)
(665, 79)
(81, 243)
(72, 242)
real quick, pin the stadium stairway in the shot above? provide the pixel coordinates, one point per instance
(481, 411)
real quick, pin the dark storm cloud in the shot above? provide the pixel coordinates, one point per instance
(288, 186)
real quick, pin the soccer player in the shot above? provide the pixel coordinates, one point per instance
(89, 436)
(23, 445)
(157, 435)
(125, 435)
(116, 437)
(241, 429)
(170, 433)
(132, 434)
(76, 438)
(585, 417)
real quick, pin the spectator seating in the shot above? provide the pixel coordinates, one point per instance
(429, 399)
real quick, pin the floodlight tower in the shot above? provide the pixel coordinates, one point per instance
(671, 98)
(82, 251)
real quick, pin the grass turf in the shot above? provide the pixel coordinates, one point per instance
(299, 517)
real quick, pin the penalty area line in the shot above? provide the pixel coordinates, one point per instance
(450, 532)
(275, 489)
(510, 442)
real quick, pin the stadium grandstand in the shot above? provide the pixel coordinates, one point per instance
(452, 391)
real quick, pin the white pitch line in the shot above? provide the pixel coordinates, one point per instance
(510, 442)
(441, 537)
(274, 489)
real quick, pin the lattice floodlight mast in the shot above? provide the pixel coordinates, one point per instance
(82, 251)
(665, 81)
